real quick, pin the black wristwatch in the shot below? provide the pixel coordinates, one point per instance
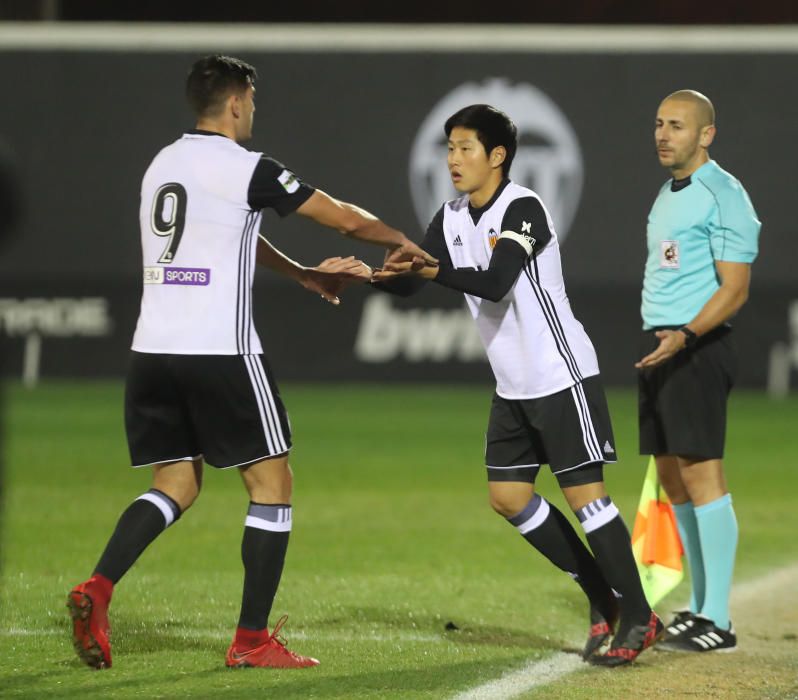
(690, 338)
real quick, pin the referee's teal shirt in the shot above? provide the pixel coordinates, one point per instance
(709, 219)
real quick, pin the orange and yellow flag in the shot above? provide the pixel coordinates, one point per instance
(655, 540)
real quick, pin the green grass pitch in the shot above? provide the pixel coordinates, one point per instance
(393, 539)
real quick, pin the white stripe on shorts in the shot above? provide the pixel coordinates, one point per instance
(514, 466)
(588, 431)
(272, 430)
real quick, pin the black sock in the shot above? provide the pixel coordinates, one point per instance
(146, 518)
(609, 539)
(263, 553)
(549, 531)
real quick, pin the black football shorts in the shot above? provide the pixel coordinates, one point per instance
(566, 430)
(223, 408)
(682, 402)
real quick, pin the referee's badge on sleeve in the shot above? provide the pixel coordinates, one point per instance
(669, 255)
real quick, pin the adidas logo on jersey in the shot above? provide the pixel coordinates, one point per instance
(608, 448)
(457, 240)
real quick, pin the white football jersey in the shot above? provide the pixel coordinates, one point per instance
(198, 237)
(534, 344)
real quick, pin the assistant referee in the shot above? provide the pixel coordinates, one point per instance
(702, 239)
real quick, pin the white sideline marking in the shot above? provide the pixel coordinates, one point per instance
(777, 580)
(530, 676)
(539, 673)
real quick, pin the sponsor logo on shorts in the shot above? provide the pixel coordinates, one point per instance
(193, 276)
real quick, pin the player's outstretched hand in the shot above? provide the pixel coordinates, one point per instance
(415, 266)
(670, 342)
(410, 251)
(332, 275)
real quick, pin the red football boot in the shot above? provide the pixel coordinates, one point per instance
(638, 638)
(271, 654)
(601, 629)
(88, 605)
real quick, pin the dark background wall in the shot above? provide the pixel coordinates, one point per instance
(510, 11)
(83, 126)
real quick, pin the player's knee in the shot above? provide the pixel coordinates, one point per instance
(270, 481)
(180, 481)
(184, 494)
(508, 503)
(190, 496)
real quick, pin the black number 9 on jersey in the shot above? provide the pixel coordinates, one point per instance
(169, 217)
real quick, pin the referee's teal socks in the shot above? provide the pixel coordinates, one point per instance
(717, 530)
(688, 531)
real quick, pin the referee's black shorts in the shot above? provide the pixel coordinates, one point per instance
(223, 408)
(682, 402)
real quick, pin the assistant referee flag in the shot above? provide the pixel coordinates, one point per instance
(655, 540)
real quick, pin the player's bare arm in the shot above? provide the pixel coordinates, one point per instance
(357, 223)
(721, 306)
(329, 278)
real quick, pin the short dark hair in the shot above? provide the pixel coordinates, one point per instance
(213, 78)
(493, 127)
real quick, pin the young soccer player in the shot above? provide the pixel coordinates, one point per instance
(497, 244)
(198, 387)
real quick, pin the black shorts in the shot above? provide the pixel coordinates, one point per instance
(682, 403)
(223, 408)
(566, 430)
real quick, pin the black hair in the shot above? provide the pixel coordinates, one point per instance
(493, 127)
(213, 78)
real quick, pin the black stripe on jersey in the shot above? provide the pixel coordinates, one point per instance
(553, 311)
(550, 314)
(558, 324)
(243, 300)
(250, 263)
(239, 299)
